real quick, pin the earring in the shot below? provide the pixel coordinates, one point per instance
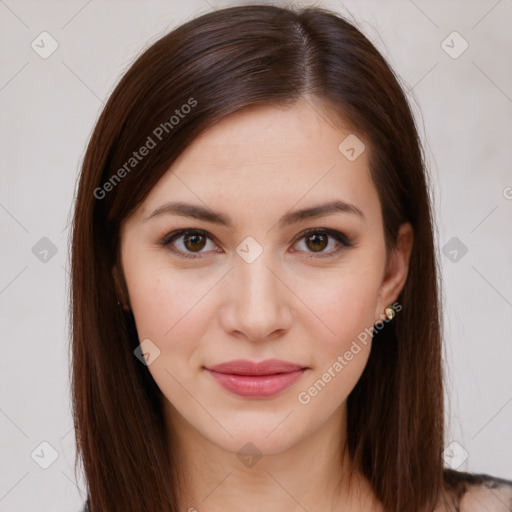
(123, 305)
(390, 313)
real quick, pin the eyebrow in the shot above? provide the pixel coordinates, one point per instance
(205, 214)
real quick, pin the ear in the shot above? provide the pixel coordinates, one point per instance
(396, 272)
(120, 287)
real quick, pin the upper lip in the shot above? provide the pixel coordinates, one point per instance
(246, 367)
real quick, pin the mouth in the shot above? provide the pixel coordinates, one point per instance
(256, 380)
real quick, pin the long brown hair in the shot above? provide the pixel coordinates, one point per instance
(218, 64)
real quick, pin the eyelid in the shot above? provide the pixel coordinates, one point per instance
(344, 241)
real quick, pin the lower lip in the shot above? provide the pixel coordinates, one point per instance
(262, 386)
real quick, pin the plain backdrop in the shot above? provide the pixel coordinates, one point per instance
(463, 105)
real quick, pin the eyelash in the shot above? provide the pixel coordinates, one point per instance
(343, 239)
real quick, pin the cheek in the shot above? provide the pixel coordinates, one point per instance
(164, 303)
(341, 347)
(344, 304)
(170, 312)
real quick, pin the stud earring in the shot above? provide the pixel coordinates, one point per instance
(390, 313)
(123, 305)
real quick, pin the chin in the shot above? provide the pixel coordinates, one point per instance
(254, 442)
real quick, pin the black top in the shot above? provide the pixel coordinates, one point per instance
(468, 492)
(477, 493)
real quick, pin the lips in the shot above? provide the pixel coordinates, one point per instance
(256, 380)
(245, 367)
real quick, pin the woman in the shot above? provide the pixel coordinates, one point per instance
(255, 297)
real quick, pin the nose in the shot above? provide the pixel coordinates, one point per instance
(259, 301)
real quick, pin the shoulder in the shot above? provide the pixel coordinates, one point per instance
(469, 492)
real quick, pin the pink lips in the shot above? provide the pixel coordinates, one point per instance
(256, 380)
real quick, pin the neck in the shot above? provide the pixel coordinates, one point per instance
(314, 474)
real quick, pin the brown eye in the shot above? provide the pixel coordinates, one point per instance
(194, 242)
(190, 242)
(317, 242)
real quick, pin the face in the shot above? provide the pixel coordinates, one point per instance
(267, 284)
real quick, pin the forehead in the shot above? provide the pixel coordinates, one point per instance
(268, 158)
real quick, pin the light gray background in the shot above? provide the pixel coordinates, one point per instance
(49, 107)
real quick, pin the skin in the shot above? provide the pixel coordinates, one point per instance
(290, 303)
